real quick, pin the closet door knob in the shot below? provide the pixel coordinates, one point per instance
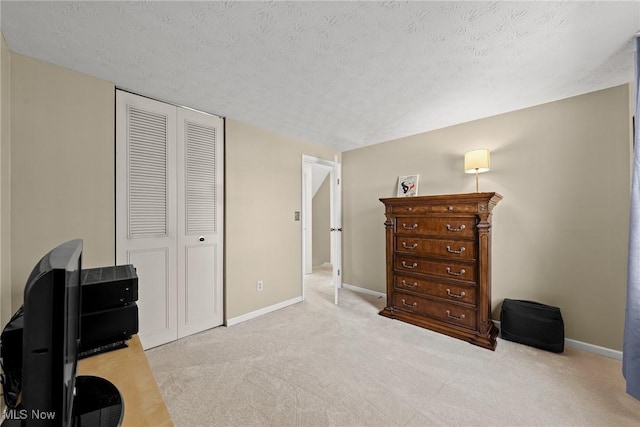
(201, 238)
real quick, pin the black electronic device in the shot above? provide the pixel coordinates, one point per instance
(108, 287)
(109, 310)
(48, 340)
(11, 358)
(51, 334)
(109, 329)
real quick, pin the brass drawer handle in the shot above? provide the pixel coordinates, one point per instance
(404, 245)
(462, 227)
(414, 265)
(410, 209)
(453, 251)
(406, 285)
(450, 208)
(415, 304)
(409, 227)
(453, 273)
(451, 316)
(460, 295)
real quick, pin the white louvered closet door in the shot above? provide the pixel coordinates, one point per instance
(200, 192)
(169, 193)
(146, 198)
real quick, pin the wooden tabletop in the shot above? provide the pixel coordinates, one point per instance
(129, 370)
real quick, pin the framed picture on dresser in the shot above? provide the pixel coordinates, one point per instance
(408, 185)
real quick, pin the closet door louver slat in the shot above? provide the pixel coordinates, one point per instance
(147, 174)
(201, 183)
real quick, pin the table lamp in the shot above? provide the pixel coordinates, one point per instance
(476, 161)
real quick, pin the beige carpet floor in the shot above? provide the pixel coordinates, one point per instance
(317, 364)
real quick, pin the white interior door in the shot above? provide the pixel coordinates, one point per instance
(200, 245)
(308, 163)
(146, 210)
(336, 227)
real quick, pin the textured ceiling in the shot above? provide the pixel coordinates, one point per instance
(343, 74)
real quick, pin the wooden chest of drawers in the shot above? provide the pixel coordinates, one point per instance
(439, 264)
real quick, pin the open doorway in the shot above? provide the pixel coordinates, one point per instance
(321, 219)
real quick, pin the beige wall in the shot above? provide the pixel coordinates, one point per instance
(263, 190)
(559, 234)
(5, 182)
(321, 243)
(62, 165)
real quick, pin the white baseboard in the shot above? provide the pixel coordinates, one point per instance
(591, 348)
(263, 311)
(364, 290)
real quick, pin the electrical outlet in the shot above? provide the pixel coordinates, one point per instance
(259, 285)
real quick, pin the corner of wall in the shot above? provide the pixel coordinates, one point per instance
(5, 181)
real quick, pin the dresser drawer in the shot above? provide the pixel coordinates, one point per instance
(446, 227)
(435, 208)
(446, 312)
(435, 288)
(410, 209)
(454, 249)
(455, 207)
(451, 270)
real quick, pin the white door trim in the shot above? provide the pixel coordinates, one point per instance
(306, 218)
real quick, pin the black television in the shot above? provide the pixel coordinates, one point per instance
(39, 353)
(51, 337)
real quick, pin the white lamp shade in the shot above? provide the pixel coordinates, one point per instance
(476, 161)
